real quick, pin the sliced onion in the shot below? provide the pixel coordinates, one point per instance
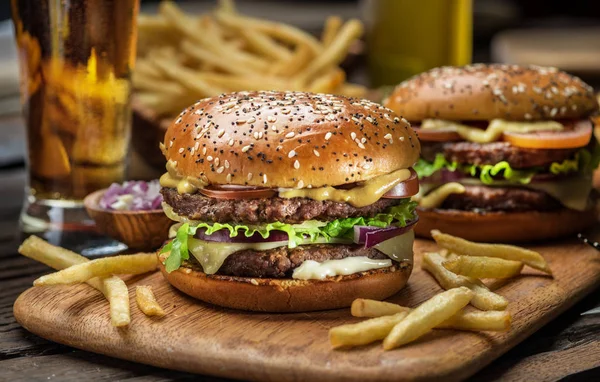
(237, 192)
(405, 189)
(222, 236)
(371, 236)
(144, 196)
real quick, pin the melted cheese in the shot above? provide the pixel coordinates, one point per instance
(437, 197)
(494, 130)
(184, 185)
(371, 191)
(399, 248)
(212, 255)
(312, 270)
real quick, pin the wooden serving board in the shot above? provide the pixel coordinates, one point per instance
(205, 339)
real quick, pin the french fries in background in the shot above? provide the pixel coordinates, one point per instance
(183, 57)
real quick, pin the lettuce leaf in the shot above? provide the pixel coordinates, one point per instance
(584, 162)
(487, 172)
(310, 230)
(425, 169)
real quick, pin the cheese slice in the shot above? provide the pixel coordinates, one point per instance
(437, 197)
(312, 270)
(212, 255)
(368, 193)
(494, 131)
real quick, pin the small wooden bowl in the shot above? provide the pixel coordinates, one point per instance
(140, 230)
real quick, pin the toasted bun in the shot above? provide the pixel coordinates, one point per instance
(485, 92)
(288, 139)
(504, 227)
(288, 295)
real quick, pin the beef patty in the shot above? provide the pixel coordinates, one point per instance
(500, 199)
(492, 153)
(280, 262)
(266, 210)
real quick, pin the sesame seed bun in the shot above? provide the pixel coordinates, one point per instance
(485, 92)
(288, 139)
(289, 295)
(505, 227)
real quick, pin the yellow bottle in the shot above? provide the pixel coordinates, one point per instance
(407, 37)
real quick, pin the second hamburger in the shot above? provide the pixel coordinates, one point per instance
(507, 153)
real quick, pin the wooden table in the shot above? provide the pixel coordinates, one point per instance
(568, 347)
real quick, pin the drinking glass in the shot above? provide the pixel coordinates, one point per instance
(75, 59)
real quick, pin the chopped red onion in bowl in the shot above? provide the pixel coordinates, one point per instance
(132, 196)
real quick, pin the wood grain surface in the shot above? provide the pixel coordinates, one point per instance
(203, 339)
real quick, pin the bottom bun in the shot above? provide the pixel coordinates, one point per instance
(504, 227)
(289, 295)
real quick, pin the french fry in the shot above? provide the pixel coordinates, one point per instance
(280, 31)
(476, 320)
(483, 267)
(239, 83)
(328, 82)
(372, 308)
(335, 52)
(352, 90)
(203, 55)
(185, 77)
(497, 321)
(118, 295)
(147, 302)
(242, 53)
(184, 24)
(107, 266)
(508, 252)
(364, 332)
(427, 316)
(483, 299)
(331, 29)
(265, 45)
(155, 85)
(299, 59)
(61, 258)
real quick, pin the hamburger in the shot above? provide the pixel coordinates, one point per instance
(289, 201)
(507, 151)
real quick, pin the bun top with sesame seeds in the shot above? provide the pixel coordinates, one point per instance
(486, 92)
(288, 139)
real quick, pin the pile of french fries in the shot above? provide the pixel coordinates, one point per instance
(458, 268)
(183, 58)
(99, 273)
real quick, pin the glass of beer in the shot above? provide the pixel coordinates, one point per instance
(75, 61)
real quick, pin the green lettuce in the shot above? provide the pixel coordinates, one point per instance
(584, 162)
(311, 231)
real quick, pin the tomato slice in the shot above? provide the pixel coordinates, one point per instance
(408, 188)
(402, 190)
(436, 135)
(236, 192)
(576, 134)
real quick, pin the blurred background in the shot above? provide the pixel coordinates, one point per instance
(401, 38)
